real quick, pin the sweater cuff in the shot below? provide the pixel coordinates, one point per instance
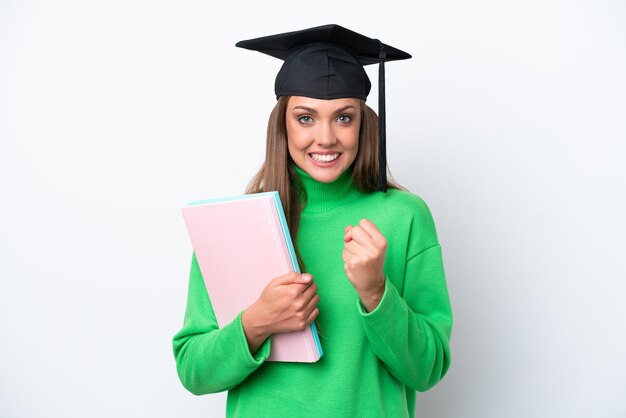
(244, 351)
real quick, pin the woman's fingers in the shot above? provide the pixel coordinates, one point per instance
(368, 235)
(312, 316)
(347, 233)
(308, 293)
(305, 305)
(285, 303)
(360, 236)
(346, 255)
(311, 305)
(356, 249)
(369, 227)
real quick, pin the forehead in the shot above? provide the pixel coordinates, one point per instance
(321, 105)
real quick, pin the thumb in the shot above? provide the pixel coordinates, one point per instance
(304, 278)
(293, 277)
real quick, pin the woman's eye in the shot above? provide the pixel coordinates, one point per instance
(344, 118)
(305, 119)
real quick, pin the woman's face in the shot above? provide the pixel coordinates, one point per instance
(323, 135)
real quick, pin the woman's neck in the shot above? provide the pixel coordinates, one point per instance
(324, 196)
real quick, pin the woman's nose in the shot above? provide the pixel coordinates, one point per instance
(326, 136)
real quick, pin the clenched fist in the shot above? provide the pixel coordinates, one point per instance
(364, 257)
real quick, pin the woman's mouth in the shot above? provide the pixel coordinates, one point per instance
(324, 158)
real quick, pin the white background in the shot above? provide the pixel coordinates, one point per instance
(510, 121)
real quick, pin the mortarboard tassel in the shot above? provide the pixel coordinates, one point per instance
(382, 140)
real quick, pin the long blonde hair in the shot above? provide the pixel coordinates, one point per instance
(277, 172)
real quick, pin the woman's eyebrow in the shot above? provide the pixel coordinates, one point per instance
(343, 109)
(311, 110)
(308, 109)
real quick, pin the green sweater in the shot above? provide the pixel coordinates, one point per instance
(373, 362)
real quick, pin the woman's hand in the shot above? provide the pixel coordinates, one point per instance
(288, 303)
(364, 257)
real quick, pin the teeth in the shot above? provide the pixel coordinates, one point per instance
(325, 158)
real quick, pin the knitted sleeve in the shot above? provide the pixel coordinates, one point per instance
(410, 330)
(208, 358)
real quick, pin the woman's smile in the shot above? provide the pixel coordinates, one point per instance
(324, 159)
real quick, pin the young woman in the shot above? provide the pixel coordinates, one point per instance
(375, 282)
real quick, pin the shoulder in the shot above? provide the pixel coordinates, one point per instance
(406, 203)
(413, 212)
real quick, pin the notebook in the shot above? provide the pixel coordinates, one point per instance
(241, 243)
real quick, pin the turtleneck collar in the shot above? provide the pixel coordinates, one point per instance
(325, 196)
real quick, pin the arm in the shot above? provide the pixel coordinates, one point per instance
(410, 333)
(211, 359)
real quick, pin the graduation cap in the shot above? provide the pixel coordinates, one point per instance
(326, 62)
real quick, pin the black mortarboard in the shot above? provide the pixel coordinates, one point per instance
(326, 62)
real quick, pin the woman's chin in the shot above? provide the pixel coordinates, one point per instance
(325, 172)
(325, 175)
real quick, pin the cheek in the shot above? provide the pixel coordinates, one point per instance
(291, 137)
(354, 140)
(296, 138)
(294, 144)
